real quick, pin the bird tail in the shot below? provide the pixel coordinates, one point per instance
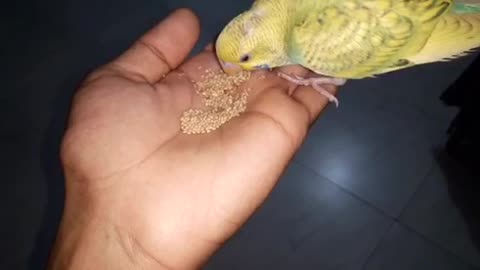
(454, 36)
(466, 6)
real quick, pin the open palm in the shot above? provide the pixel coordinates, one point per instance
(173, 197)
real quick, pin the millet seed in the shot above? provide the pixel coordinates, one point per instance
(220, 94)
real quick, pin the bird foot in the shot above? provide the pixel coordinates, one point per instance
(316, 84)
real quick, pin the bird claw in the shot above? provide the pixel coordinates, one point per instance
(316, 83)
(298, 77)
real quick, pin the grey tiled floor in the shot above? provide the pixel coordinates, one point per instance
(369, 189)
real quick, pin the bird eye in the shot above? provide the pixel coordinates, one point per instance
(245, 58)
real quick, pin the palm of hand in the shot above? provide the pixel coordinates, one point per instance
(168, 193)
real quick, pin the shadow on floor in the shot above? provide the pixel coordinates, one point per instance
(463, 187)
(54, 177)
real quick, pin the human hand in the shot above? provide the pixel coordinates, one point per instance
(139, 192)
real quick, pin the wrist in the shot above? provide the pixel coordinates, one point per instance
(89, 246)
(86, 242)
(98, 232)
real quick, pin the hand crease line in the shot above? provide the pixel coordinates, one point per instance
(159, 54)
(290, 137)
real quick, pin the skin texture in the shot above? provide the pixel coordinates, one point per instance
(142, 195)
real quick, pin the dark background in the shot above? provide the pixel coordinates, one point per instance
(372, 188)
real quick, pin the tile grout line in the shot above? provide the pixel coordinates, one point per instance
(420, 234)
(417, 190)
(435, 244)
(422, 237)
(362, 200)
(377, 246)
(393, 219)
(417, 108)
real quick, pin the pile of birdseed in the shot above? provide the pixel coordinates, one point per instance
(223, 99)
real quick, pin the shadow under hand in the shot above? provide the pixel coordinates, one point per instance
(54, 178)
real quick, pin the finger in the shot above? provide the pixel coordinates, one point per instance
(296, 112)
(293, 70)
(313, 101)
(196, 67)
(162, 48)
(181, 82)
(209, 47)
(263, 80)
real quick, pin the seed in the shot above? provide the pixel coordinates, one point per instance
(223, 99)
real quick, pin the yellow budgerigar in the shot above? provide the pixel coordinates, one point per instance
(347, 39)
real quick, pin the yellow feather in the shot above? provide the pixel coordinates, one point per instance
(453, 37)
(366, 37)
(350, 39)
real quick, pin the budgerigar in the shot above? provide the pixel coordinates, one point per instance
(347, 39)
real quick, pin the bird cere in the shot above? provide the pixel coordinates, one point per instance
(347, 39)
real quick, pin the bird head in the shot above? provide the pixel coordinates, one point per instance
(251, 41)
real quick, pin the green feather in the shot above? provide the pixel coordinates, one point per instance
(462, 8)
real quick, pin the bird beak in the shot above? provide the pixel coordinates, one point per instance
(229, 68)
